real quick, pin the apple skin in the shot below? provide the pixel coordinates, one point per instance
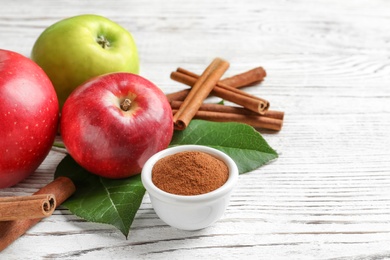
(29, 115)
(107, 140)
(70, 53)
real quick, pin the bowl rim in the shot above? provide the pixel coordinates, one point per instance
(226, 188)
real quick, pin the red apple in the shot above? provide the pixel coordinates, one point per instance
(28, 115)
(113, 123)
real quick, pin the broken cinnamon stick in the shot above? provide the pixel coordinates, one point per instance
(27, 207)
(201, 88)
(226, 92)
(62, 188)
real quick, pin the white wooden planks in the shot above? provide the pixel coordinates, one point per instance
(326, 197)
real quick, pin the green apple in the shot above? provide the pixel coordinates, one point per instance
(78, 48)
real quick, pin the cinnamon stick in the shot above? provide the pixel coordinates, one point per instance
(201, 88)
(226, 92)
(240, 80)
(178, 95)
(231, 109)
(62, 188)
(247, 78)
(221, 113)
(27, 207)
(253, 120)
(221, 84)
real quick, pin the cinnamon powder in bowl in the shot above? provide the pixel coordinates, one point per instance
(190, 185)
(189, 173)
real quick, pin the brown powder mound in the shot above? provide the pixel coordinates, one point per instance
(189, 173)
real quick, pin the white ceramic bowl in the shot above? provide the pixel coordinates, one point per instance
(195, 211)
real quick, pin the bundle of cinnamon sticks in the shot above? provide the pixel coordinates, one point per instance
(189, 104)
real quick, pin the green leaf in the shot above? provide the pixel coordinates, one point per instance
(241, 142)
(102, 200)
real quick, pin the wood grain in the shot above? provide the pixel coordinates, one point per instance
(328, 68)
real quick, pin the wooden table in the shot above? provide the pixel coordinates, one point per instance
(328, 65)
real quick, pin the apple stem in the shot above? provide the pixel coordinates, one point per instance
(102, 41)
(125, 105)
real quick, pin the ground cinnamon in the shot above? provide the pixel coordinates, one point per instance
(189, 173)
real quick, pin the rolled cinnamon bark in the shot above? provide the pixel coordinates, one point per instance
(201, 89)
(240, 80)
(226, 92)
(62, 188)
(231, 109)
(27, 207)
(252, 120)
(247, 78)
